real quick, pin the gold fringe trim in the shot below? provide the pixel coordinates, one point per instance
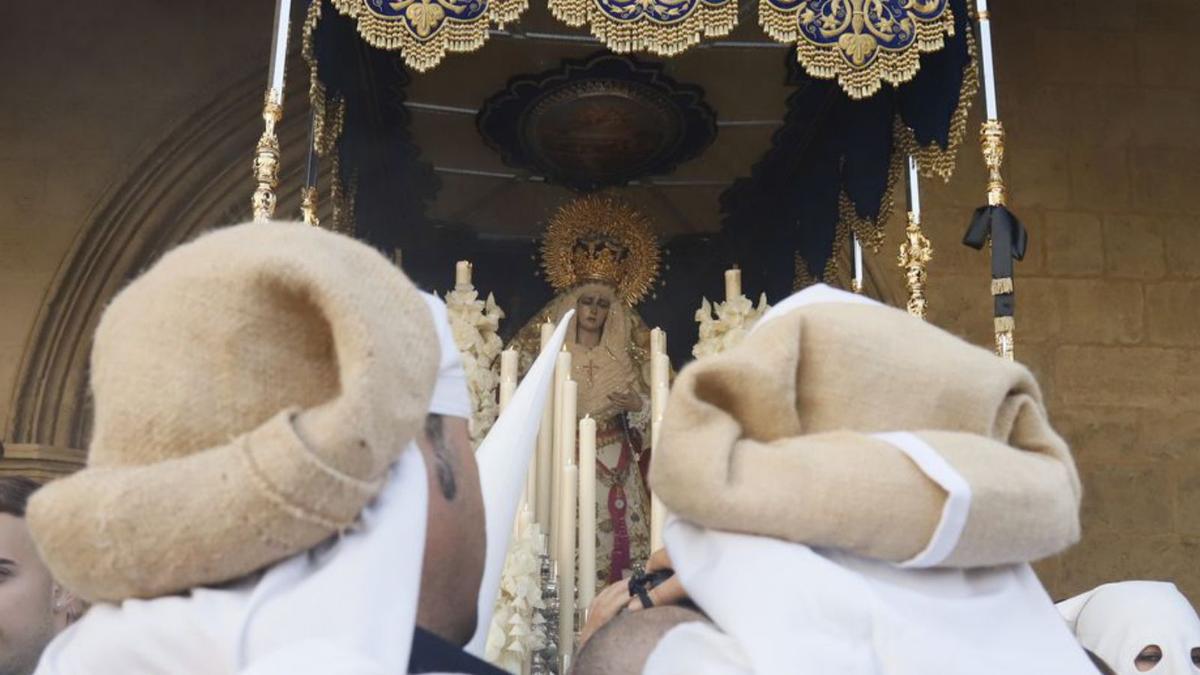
(869, 231)
(933, 160)
(803, 278)
(328, 114)
(831, 61)
(645, 34)
(422, 52)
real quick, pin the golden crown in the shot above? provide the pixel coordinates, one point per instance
(601, 239)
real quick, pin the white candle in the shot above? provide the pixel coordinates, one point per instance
(658, 341)
(658, 518)
(566, 563)
(545, 445)
(587, 511)
(508, 365)
(733, 283)
(569, 421)
(562, 372)
(462, 273)
(661, 386)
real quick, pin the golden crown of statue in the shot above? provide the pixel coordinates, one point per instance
(601, 239)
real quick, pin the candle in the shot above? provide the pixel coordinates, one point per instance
(661, 387)
(508, 365)
(658, 518)
(587, 511)
(562, 371)
(733, 283)
(507, 389)
(545, 444)
(462, 273)
(569, 421)
(566, 563)
(658, 341)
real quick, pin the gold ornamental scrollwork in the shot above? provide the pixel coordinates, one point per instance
(991, 142)
(266, 159)
(915, 255)
(662, 27)
(600, 238)
(861, 43)
(308, 205)
(423, 31)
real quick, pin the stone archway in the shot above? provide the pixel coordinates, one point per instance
(196, 177)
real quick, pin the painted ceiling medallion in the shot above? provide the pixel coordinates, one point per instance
(596, 123)
(862, 43)
(424, 30)
(663, 27)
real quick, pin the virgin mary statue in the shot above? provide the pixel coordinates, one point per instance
(602, 258)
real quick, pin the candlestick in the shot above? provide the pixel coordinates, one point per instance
(658, 341)
(566, 567)
(587, 511)
(462, 273)
(733, 283)
(508, 365)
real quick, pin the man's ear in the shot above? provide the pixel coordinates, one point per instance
(66, 606)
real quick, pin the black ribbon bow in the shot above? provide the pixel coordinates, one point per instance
(1009, 240)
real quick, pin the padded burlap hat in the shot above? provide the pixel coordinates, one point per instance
(251, 390)
(850, 425)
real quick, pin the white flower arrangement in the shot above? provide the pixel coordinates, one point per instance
(725, 324)
(518, 627)
(475, 324)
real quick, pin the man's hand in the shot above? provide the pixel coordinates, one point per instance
(669, 592)
(607, 604)
(613, 600)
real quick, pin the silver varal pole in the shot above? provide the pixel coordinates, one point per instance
(266, 153)
(991, 141)
(856, 284)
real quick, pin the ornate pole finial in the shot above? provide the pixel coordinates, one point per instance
(915, 254)
(308, 206)
(991, 142)
(266, 159)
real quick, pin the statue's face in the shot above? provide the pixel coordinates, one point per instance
(591, 309)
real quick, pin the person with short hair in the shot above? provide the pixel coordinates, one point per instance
(33, 607)
(856, 491)
(274, 484)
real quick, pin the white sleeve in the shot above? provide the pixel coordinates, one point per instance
(697, 647)
(313, 657)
